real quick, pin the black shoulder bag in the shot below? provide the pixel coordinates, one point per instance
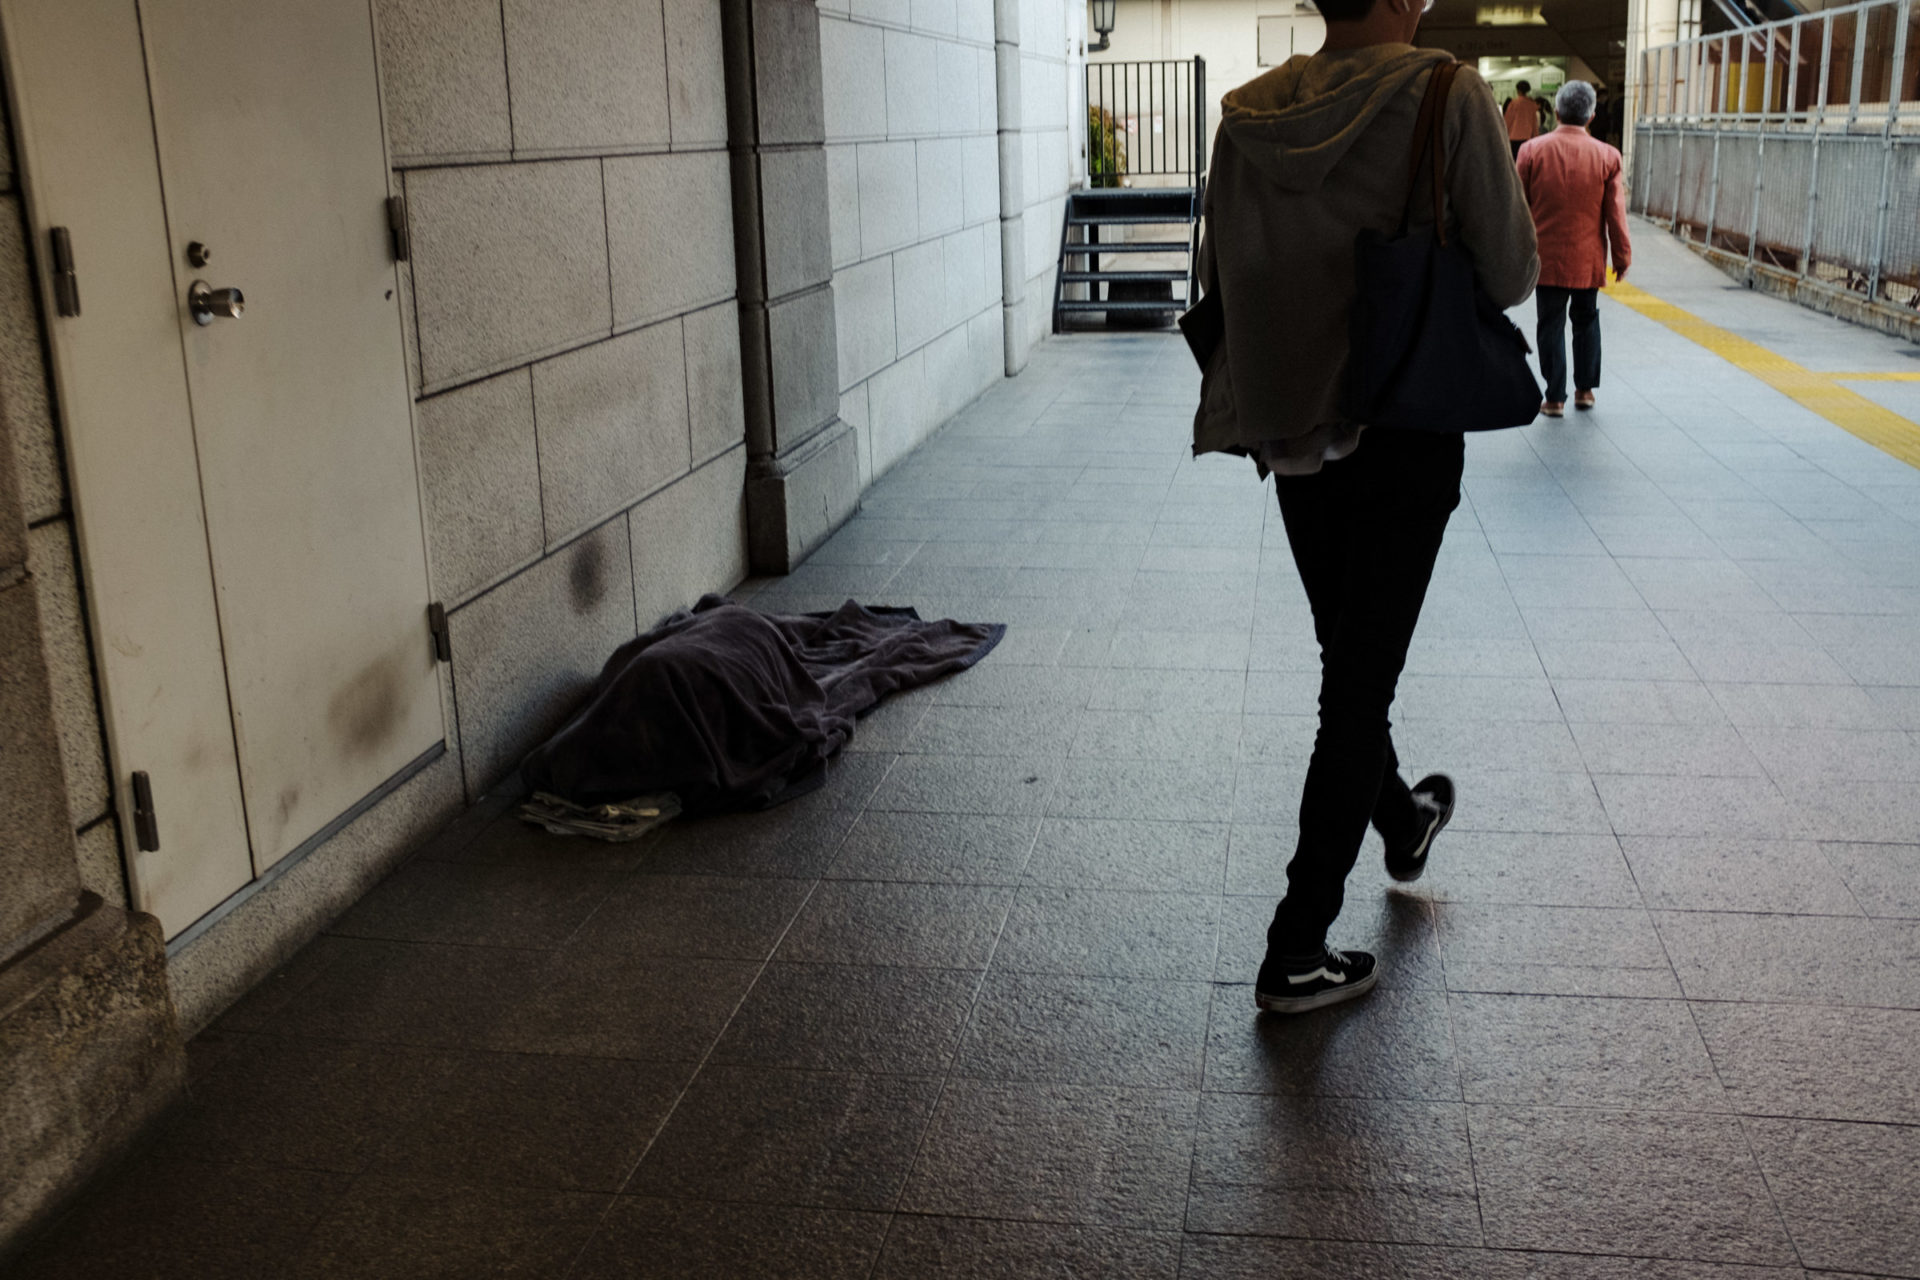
(1431, 352)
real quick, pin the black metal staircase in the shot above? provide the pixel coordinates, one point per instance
(1130, 239)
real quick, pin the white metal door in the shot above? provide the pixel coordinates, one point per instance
(75, 69)
(245, 492)
(272, 151)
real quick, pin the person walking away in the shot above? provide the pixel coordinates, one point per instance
(1306, 157)
(1523, 117)
(1579, 207)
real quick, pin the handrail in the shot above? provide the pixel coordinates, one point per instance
(1146, 119)
(1794, 146)
(1790, 61)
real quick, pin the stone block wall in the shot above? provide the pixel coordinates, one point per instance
(574, 335)
(1052, 126)
(574, 341)
(610, 362)
(574, 348)
(913, 182)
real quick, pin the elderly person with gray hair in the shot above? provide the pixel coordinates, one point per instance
(1579, 215)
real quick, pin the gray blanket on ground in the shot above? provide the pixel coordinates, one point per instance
(733, 709)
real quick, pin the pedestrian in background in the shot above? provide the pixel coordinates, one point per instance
(1523, 117)
(1579, 215)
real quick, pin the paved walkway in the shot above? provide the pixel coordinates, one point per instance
(981, 1006)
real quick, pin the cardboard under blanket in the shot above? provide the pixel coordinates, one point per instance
(733, 709)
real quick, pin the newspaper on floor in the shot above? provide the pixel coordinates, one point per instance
(621, 821)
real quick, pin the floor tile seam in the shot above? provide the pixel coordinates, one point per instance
(1801, 1117)
(616, 878)
(1377, 1241)
(1626, 1109)
(1518, 1251)
(1780, 780)
(1700, 1035)
(1776, 1003)
(1781, 915)
(1459, 1075)
(1366, 1096)
(420, 1048)
(1267, 510)
(789, 962)
(1888, 844)
(1533, 642)
(1187, 899)
(1753, 1156)
(159, 1148)
(473, 820)
(1683, 996)
(693, 1077)
(860, 1072)
(1766, 1183)
(953, 1061)
(927, 1214)
(434, 942)
(298, 1252)
(1193, 1129)
(1722, 776)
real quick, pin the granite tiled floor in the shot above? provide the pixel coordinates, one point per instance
(980, 1007)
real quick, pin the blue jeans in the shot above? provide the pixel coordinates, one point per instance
(1552, 304)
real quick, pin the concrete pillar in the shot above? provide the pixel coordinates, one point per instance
(1013, 196)
(89, 1047)
(803, 469)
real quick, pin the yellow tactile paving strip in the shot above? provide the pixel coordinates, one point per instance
(1820, 392)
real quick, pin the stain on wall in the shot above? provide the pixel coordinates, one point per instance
(587, 575)
(363, 714)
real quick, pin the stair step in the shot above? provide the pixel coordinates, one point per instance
(1088, 195)
(1091, 277)
(1127, 219)
(1123, 207)
(1130, 246)
(1165, 304)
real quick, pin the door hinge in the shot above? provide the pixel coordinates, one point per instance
(397, 227)
(442, 637)
(66, 282)
(146, 827)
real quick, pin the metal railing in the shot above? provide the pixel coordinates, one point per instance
(1146, 119)
(1794, 144)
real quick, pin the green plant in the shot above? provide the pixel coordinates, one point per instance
(1106, 148)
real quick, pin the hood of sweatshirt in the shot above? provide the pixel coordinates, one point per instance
(1296, 122)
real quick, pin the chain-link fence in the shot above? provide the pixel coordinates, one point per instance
(1793, 144)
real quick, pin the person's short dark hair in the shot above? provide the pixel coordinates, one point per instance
(1523, 88)
(1345, 10)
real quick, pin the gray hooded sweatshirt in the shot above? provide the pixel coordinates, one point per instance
(1306, 156)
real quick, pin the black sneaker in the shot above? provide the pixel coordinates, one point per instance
(1295, 984)
(1433, 797)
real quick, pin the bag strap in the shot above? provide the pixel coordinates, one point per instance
(1429, 136)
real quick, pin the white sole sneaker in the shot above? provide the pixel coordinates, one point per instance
(1414, 864)
(1318, 1000)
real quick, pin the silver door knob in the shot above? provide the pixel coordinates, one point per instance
(209, 304)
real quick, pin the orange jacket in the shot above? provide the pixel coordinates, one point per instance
(1579, 207)
(1523, 118)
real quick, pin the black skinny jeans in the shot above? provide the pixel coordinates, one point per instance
(1365, 532)
(1551, 304)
